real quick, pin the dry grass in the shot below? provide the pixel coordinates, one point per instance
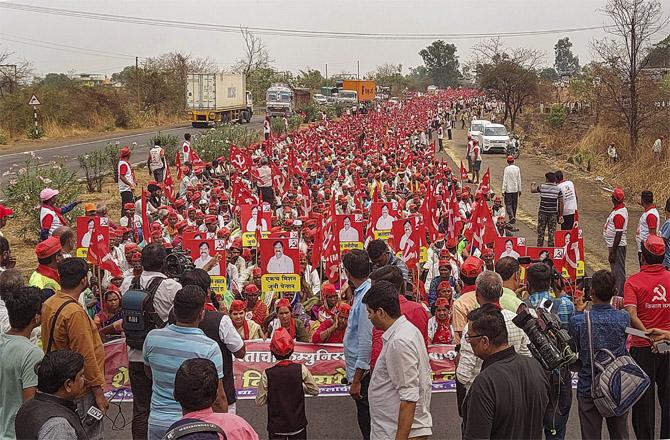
(586, 147)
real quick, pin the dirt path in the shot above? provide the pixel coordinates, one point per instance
(594, 201)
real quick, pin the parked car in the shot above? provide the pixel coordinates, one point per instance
(320, 99)
(494, 137)
(476, 127)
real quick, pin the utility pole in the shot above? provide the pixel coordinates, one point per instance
(137, 75)
(358, 74)
(326, 70)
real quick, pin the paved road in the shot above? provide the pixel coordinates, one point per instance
(67, 151)
(335, 418)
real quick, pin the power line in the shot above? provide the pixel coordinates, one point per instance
(280, 31)
(62, 47)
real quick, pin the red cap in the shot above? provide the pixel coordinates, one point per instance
(284, 302)
(282, 343)
(487, 251)
(444, 262)
(5, 211)
(471, 267)
(618, 194)
(655, 245)
(451, 243)
(441, 302)
(210, 219)
(48, 247)
(237, 243)
(129, 205)
(256, 271)
(221, 233)
(180, 224)
(238, 306)
(328, 290)
(344, 309)
(124, 152)
(510, 159)
(250, 288)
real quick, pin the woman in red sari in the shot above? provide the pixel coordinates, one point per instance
(285, 319)
(439, 326)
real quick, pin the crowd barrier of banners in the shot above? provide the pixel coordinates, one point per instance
(324, 361)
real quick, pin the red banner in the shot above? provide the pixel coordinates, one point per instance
(324, 361)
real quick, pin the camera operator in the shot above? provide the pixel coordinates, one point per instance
(153, 258)
(539, 278)
(608, 331)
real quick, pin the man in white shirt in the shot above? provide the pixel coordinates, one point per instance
(347, 233)
(264, 182)
(657, 148)
(156, 161)
(400, 387)
(511, 188)
(280, 263)
(489, 290)
(186, 149)
(569, 201)
(649, 221)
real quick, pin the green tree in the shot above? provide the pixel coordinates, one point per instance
(390, 75)
(511, 83)
(565, 62)
(310, 78)
(549, 74)
(441, 63)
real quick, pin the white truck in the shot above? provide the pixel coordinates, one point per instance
(217, 98)
(279, 100)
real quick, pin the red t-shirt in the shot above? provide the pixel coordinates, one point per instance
(335, 338)
(415, 313)
(649, 292)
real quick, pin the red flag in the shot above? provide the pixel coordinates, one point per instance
(464, 172)
(146, 231)
(429, 213)
(485, 184)
(572, 253)
(278, 178)
(239, 158)
(177, 163)
(98, 252)
(306, 200)
(482, 230)
(168, 184)
(331, 246)
(453, 215)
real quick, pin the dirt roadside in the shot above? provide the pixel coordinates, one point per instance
(593, 200)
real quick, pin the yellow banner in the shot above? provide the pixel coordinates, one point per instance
(82, 252)
(249, 238)
(280, 282)
(384, 234)
(349, 245)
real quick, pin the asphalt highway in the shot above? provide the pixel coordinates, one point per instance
(68, 151)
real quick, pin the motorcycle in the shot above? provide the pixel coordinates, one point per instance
(513, 149)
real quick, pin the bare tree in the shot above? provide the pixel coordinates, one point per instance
(13, 73)
(256, 54)
(634, 23)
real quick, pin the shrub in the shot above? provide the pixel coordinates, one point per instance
(23, 192)
(294, 122)
(95, 165)
(277, 125)
(311, 113)
(4, 136)
(556, 116)
(216, 142)
(34, 132)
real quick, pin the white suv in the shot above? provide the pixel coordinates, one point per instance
(493, 137)
(477, 126)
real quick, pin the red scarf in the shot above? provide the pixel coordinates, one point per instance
(48, 272)
(245, 324)
(291, 327)
(443, 333)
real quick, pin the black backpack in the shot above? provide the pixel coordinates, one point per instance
(139, 315)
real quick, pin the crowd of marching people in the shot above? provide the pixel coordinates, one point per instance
(184, 273)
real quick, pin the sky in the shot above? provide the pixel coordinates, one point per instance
(439, 17)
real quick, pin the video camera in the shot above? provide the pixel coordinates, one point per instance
(177, 262)
(549, 343)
